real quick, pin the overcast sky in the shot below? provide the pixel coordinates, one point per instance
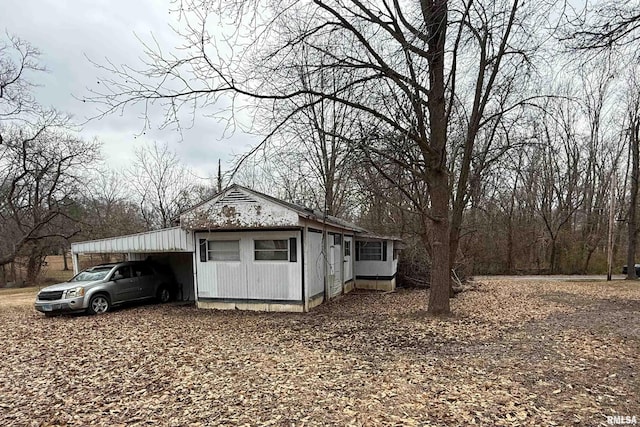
(68, 31)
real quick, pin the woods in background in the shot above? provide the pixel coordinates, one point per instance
(493, 136)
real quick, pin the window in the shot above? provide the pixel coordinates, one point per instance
(347, 248)
(271, 250)
(123, 272)
(142, 270)
(223, 250)
(371, 251)
(337, 239)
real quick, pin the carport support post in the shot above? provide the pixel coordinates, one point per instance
(305, 277)
(74, 261)
(194, 260)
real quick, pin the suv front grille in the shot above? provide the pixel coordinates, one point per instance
(50, 295)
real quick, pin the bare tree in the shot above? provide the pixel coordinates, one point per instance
(316, 141)
(107, 207)
(40, 177)
(394, 65)
(41, 162)
(162, 185)
(605, 24)
(633, 138)
(18, 58)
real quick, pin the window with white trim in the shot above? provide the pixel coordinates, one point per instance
(271, 250)
(370, 251)
(223, 250)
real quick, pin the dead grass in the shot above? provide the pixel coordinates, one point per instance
(10, 292)
(525, 353)
(19, 297)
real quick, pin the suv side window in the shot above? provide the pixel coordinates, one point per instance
(142, 270)
(123, 272)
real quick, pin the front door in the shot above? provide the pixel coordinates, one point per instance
(335, 258)
(348, 267)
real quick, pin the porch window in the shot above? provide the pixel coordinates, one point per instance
(347, 248)
(223, 250)
(371, 251)
(271, 250)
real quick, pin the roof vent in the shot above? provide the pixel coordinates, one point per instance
(237, 196)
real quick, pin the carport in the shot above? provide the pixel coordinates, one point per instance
(170, 246)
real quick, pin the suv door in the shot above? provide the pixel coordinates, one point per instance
(123, 286)
(146, 280)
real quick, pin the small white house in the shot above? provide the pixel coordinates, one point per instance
(246, 250)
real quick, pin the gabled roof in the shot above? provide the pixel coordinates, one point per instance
(308, 213)
(315, 214)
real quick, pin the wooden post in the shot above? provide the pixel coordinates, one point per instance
(74, 261)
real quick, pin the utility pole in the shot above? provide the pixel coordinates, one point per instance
(612, 211)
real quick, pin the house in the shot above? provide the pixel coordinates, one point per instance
(246, 250)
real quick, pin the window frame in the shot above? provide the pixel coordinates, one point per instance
(211, 251)
(363, 244)
(285, 250)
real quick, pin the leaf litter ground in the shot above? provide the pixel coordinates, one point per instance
(514, 353)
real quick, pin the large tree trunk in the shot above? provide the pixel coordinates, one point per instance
(439, 243)
(3, 274)
(435, 16)
(34, 264)
(553, 261)
(64, 258)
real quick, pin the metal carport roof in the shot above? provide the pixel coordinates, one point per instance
(173, 239)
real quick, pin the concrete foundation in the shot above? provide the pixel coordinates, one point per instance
(376, 285)
(349, 286)
(316, 301)
(251, 306)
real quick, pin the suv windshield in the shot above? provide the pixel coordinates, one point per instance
(91, 275)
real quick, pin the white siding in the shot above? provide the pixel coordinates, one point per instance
(166, 240)
(247, 278)
(377, 268)
(315, 264)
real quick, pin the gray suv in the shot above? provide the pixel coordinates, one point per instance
(96, 289)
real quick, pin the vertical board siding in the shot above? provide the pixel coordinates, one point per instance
(247, 278)
(315, 264)
(336, 283)
(229, 279)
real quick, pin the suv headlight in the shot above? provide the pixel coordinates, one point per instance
(74, 293)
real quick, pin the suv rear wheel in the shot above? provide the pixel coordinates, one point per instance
(163, 294)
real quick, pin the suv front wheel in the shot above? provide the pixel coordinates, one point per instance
(99, 304)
